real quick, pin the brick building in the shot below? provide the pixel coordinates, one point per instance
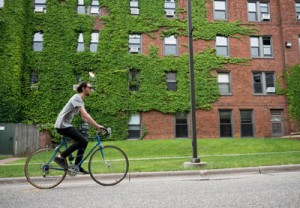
(248, 105)
(60, 41)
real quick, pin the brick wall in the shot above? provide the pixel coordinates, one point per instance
(282, 27)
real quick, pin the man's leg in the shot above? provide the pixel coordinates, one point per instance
(80, 142)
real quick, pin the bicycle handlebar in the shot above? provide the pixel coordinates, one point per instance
(107, 131)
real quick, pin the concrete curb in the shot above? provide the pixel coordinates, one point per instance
(201, 173)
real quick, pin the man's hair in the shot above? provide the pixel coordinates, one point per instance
(81, 86)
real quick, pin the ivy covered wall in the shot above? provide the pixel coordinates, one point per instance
(58, 65)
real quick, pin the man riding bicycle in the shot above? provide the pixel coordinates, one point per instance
(64, 127)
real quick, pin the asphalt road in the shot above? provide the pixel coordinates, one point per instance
(280, 189)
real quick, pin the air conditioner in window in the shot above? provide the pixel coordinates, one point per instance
(170, 13)
(271, 90)
(134, 50)
(39, 9)
(134, 11)
(265, 17)
(298, 17)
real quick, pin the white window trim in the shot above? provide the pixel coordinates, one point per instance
(222, 41)
(1, 3)
(261, 47)
(259, 13)
(171, 41)
(220, 9)
(264, 83)
(225, 82)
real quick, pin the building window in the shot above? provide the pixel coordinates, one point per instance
(134, 80)
(170, 8)
(264, 83)
(170, 47)
(40, 6)
(222, 46)
(135, 43)
(34, 81)
(80, 7)
(277, 122)
(94, 41)
(1, 3)
(258, 11)
(38, 41)
(80, 45)
(134, 7)
(94, 9)
(224, 83)
(134, 126)
(171, 81)
(261, 47)
(181, 125)
(225, 119)
(220, 11)
(246, 123)
(297, 8)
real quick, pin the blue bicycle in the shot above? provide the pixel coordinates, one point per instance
(108, 165)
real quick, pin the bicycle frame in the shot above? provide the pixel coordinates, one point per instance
(65, 144)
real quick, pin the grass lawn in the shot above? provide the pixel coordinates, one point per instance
(169, 155)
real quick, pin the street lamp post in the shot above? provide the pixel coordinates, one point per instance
(195, 158)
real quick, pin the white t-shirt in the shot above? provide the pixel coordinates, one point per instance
(65, 117)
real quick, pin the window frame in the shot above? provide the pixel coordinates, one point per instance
(277, 118)
(39, 4)
(81, 7)
(222, 46)
(224, 125)
(264, 82)
(171, 83)
(182, 126)
(80, 43)
(245, 124)
(134, 7)
(297, 12)
(172, 45)
(229, 84)
(1, 4)
(38, 41)
(259, 11)
(95, 5)
(135, 41)
(134, 128)
(261, 47)
(133, 80)
(168, 8)
(94, 41)
(216, 10)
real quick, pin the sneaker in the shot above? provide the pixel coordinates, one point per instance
(81, 170)
(61, 162)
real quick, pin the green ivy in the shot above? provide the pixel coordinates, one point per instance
(59, 63)
(292, 77)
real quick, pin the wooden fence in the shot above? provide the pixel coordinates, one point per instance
(26, 139)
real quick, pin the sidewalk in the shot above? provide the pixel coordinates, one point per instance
(201, 173)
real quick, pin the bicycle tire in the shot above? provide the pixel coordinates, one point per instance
(111, 169)
(40, 172)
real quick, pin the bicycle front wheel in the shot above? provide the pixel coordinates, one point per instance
(108, 166)
(41, 171)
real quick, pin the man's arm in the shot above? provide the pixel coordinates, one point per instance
(86, 117)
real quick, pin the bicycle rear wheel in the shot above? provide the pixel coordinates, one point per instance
(110, 169)
(41, 171)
